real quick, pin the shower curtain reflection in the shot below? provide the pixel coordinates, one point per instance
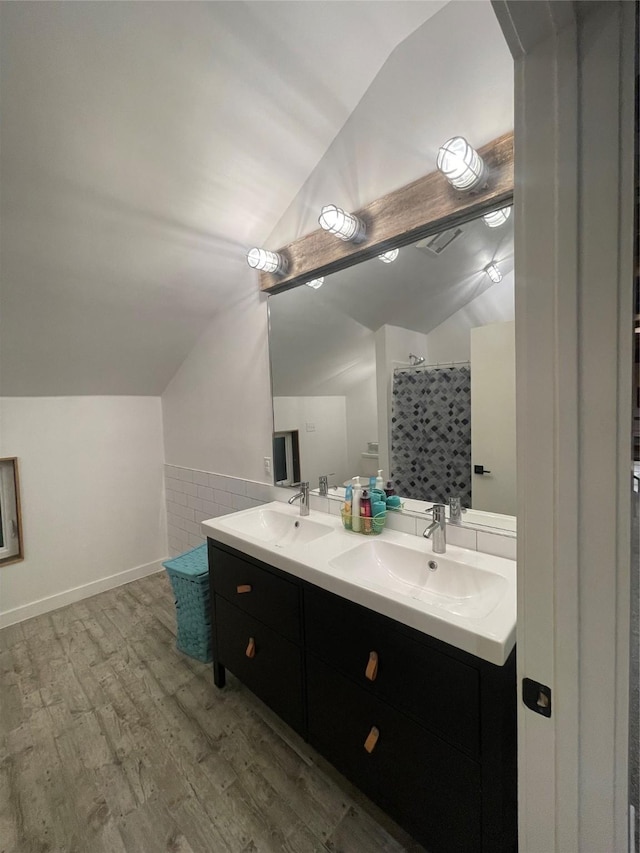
(431, 432)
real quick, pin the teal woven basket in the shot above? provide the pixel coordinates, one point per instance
(189, 576)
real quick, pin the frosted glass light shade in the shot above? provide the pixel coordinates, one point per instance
(497, 217)
(389, 257)
(460, 163)
(266, 261)
(344, 225)
(316, 283)
(493, 271)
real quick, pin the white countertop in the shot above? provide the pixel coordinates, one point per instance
(490, 636)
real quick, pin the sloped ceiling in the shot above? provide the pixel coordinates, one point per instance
(145, 146)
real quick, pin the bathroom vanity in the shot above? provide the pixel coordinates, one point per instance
(423, 727)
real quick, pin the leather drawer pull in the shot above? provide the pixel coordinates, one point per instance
(251, 648)
(243, 587)
(372, 667)
(372, 739)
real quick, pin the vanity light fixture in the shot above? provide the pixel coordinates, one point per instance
(266, 261)
(389, 257)
(493, 271)
(460, 163)
(497, 217)
(344, 225)
(316, 283)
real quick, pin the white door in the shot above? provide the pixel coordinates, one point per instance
(493, 420)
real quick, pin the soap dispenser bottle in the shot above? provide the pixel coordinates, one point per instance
(355, 505)
(365, 512)
(380, 481)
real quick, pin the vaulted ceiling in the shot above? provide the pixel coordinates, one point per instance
(144, 148)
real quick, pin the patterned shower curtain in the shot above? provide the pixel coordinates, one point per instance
(431, 433)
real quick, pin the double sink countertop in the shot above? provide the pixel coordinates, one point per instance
(464, 598)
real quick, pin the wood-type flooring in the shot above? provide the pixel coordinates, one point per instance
(111, 741)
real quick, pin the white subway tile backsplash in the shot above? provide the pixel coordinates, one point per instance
(194, 496)
(184, 512)
(208, 507)
(499, 546)
(463, 537)
(318, 503)
(402, 523)
(260, 491)
(335, 507)
(205, 493)
(223, 498)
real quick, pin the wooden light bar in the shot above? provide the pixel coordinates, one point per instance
(423, 207)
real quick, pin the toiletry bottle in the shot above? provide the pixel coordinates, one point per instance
(348, 496)
(355, 504)
(365, 512)
(372, 483)
(379, 481)
(388, 489)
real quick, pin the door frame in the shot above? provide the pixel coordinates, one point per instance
(574, 126)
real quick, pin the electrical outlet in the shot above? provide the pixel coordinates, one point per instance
(267, 464)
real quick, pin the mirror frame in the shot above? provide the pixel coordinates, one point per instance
(404, 216)
(19, 556)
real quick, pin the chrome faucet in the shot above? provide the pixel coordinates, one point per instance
(437, 530)
(303, 494)
(323, 484)
(455, 510)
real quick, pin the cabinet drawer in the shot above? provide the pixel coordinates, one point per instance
(271, 599)
(274, 673)
(429, 787)
(439, 691)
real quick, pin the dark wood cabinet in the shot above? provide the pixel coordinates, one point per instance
(424, 729)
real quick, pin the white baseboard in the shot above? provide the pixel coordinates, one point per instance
(69, 596)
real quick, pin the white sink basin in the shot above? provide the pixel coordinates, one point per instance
(468, 600)
(434, 579)
(278, 529)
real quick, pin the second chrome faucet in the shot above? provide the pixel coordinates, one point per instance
(437, 530)
(303, 494)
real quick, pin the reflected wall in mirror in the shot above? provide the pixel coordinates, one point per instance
(11, 545)
(408, 367)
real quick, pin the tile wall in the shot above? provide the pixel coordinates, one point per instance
(193, 496)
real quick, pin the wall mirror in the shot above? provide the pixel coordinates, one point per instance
(11, 543)
(408, 367)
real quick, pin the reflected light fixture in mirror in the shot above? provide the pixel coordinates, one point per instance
(493, 271)
(263, 259)
(497, 217)
(460, 163)
(316, 283)
(389, 257)
(344, 225)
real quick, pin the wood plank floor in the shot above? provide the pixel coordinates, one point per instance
(112, 741)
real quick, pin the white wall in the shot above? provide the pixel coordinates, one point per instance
(217, 409)
(91, 484)
(322, 432)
